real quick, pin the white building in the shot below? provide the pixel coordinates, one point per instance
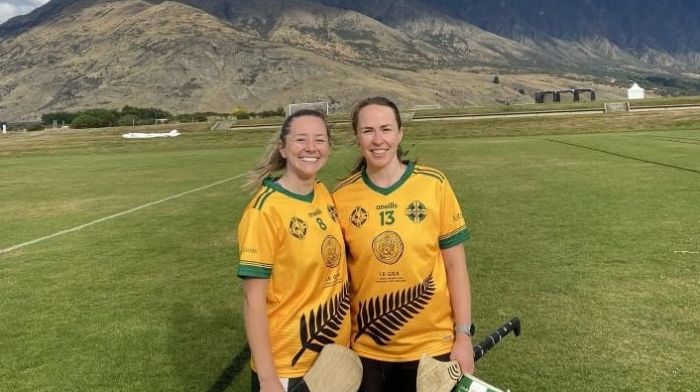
(635, 92)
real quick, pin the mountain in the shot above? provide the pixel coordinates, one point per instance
(188, 55)
(668, 25)
(659, 33)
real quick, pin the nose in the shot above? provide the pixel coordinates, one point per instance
(377, 138)
(310, 145)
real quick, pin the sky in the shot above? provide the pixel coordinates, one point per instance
(11, 8)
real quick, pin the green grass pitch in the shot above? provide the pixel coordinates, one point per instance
(587, 228)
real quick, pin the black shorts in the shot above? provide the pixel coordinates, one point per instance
(381, 376)
(255, 383)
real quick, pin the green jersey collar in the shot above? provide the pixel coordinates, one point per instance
(271, 182)
(385, 191)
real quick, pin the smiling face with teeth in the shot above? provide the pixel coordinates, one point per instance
(305, 148)
(379, 136)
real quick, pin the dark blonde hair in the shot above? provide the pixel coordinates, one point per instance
(272, 161)
(354, 118)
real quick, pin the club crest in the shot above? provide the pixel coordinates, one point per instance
(358, 217)
(297, 228)
(333, 212)
(330, 251)
(416, 211)
(388, 247)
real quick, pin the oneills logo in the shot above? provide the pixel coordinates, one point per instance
(388, 247)
(297, 228)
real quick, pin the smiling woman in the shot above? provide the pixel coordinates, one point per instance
(292, 258)
(416, 264)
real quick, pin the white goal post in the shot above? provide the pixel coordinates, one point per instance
(611, 107)
(319, 106)
(407, 116)
(432, 106)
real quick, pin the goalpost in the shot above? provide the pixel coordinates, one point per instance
(612, 107)
(319, 106)
(431, 106)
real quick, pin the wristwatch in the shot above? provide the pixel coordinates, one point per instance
(467, 329)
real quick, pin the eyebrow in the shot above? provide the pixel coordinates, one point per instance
(381, 126)
(310, 133)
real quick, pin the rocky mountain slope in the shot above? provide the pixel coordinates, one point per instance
(190, 55)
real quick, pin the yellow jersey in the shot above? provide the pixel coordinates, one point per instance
(400, 303)
(296, 242)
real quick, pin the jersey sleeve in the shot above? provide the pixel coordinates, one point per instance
(256, 245)
(453, 227)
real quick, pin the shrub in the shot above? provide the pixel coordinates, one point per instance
(145, 113)
(191, 117)
(279, 112)
(240, 113)
(85, 121)
(128, 119)
(60, 118)
(35, 127)
(105, 117)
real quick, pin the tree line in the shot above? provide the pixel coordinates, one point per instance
(130, 115)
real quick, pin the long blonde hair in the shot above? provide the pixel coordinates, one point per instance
(272, 161)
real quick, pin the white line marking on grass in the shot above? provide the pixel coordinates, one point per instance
(106, 218)
(686, 252)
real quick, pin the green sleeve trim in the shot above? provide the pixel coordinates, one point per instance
(455, 239)
(263, 196)
(247, 271)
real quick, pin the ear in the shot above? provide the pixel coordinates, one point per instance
(400, 134)
(280, 148)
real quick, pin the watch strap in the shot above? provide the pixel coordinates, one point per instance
(467, 329)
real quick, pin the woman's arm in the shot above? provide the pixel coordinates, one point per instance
(257, 332)
(460, 297)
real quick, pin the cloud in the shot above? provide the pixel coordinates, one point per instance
(12, 8)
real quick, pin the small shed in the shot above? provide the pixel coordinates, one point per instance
(635, 92)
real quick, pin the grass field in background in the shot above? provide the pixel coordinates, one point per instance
(566, 104)
(587, 228)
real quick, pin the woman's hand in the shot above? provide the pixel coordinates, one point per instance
(271, 385)
(463, 352)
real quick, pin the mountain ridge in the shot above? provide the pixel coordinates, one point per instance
(191, 55)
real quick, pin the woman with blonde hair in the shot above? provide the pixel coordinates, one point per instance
(292, 258)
